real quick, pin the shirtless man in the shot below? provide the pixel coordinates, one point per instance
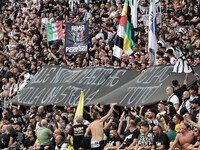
(184, 138)
(96, 129)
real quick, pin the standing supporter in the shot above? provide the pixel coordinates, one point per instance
(44, 135)
(178, 90)
(96, 129)
(172, 97)
(77, 131)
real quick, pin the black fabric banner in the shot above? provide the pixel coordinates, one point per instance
(62, 86)
(76, 38)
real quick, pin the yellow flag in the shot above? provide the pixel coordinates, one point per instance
(80, 107)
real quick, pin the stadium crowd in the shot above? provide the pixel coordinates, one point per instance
(24, 49)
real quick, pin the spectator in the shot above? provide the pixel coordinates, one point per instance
(145, 139)
(60, 143)
(131, 136)
(171, 133)
(96, 129)
(178, 91)
(177, 120)
(77, 131)
(30, 140)
(161, 140)
(184, 138)
(172, 97)
(44, 135)
(114, 141)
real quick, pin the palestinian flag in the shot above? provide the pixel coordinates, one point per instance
(54, 31)
(124, 42)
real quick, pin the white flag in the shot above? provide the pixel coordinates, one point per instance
(134, 5)
(152, 31)
(182, 65)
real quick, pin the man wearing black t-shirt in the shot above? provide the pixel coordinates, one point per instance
(180, 89)
(78, 132)
(114, 141)
(131, 136)
(18, 133)
(4, 137)
(161, 140)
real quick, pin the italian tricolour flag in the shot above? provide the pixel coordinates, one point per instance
(54, 31)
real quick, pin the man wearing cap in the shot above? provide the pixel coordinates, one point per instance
(196, 107)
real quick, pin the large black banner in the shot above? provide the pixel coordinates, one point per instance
(62, 86)
(76, 38)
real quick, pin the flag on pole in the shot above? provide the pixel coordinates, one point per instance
(124, 42)
(182, 65)
(54, 31)
(80, 107)
(152, 31)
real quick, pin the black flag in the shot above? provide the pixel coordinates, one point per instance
(76, 37)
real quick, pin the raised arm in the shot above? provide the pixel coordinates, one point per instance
(109, 113)
(187, 118)
(120, 123)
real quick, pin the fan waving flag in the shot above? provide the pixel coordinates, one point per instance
(54, 31)
(124, 42)
(182, 65)
(152, 31)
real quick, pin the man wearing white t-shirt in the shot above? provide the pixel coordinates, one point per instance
(172, 97)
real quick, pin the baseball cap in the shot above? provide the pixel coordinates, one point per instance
(33, 107)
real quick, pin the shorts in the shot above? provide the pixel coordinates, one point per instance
(97, 145)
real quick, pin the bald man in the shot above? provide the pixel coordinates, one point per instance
(186, 105)
(44, 135)
(60, 143)
(77, 131)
